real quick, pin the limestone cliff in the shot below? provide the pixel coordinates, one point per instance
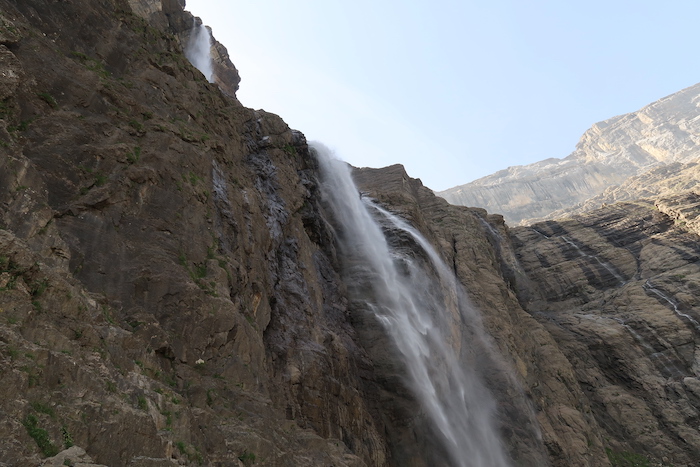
(607, 155)
(598, 314)
(662, 181)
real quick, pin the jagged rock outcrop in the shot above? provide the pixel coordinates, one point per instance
(607, 155)
(169, 15)
(683, 209)
(665, 180)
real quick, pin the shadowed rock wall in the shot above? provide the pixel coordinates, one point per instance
(168, 282)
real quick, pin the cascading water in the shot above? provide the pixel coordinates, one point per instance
(198, 51)
(420, 306)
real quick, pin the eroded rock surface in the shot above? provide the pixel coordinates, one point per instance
(166, 294)
(170, 16)
(475, 245)
(617, 289)
(608, 154)
(598, 315)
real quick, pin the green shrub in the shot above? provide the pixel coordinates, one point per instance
(136, 125)
(67, 438)
(41, 436)
(247, 458)
(626, 459)
(48, 98)
(43, 408)
(134, 156)
(143, 405)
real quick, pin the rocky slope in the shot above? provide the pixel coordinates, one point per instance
(598, 314)
(608, 154)
(172, 292)
(617, 289)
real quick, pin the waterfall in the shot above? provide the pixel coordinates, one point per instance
(198, 51)
(418, 302)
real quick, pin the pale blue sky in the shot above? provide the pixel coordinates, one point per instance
(454, 90)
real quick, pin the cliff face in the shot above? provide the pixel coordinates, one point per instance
(172, 291)
(165, 289)
(607, 155)
(474, 244)
(170, 16)
(617, 289)
(598, 314)
(662, 181)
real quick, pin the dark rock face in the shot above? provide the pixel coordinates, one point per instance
(171, 289)
(168, 281)
(169, 16)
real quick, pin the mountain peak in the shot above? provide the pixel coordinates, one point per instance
(608, 154)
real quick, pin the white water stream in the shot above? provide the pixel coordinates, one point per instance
(198, 51)
(422, 312)
(604, 264)
(650, 288)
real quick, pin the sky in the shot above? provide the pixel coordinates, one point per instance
(454, 89)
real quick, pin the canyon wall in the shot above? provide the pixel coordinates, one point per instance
(172, 292)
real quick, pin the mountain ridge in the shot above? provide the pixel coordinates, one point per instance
(607, 155)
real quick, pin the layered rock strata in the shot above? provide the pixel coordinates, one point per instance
(617, 289)
(662, 133)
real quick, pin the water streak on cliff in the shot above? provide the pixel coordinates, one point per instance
(667, 366)
(423, 312)
(604, 264)
(649, 287)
